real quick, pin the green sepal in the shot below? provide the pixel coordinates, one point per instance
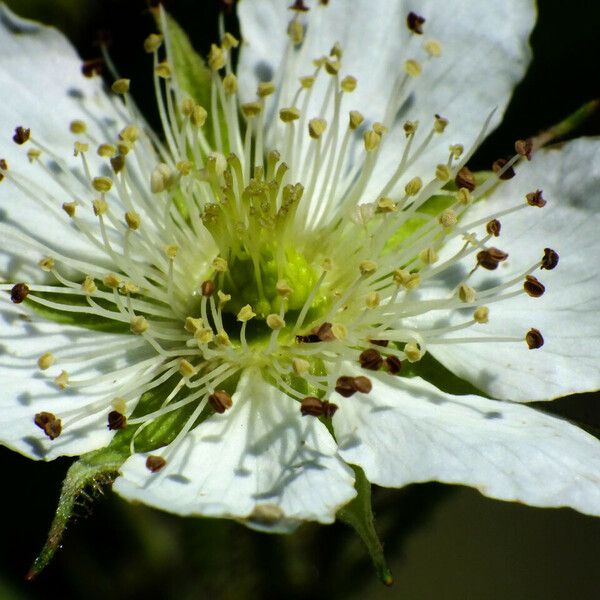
(359, 515)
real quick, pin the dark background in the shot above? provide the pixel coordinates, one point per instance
(441, 542)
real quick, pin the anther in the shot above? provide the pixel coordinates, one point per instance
(46, 360)
(412, 67)
(229, 41)
(362, 384)
(534, 339)
(413, 187)
(116, 420)
(307, 82)
(533, 286)
(465, 179)
(49, 423)
(535, 199)
(367, 267)
(199, 115)
(230, 84)
(265, 88)
(155, 463)
(440, 124)
(299, 6)
(121, 86)
(21, 135)
(433, 48)
(220, 401)
(481, 314)
(163, 70)
(275, 322)
(133, 220)
(333, 66)
(207, 288)
(348, 84)
(316, 128)
(295, 32)
(92, 67)
(428, 256)
(220, 264)
(415, 23)
(161, 178)
(344, 386)
(186, 368)
(46, 264)
(370, 359)
(88, 286)
(300, 366)
(62, 380)
(355, 119)
(311, 406)
(410, 128)
(371, 140)
(283, 289)
(245, 314)
(524, 148)
(448, 218)
(19, 292)
(152, 43)
(499, 165)
(77, 127)
(413, 352)
(466, 294)
(138, 325)
(393, 365)
(406, 279)
(111, 280)
(549, 260)
(100, 207)
(463, 196)
(490, 258)
(106, 150)
(324, 332)
(442, 172)
(3, 167)
(382, 343)
(102, 184)
(493, 227)
(287, 115)
(339, 331)
(251, 109)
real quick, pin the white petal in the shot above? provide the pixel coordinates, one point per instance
(567, 313)
(258, 458)
(407, 431)
(26, 390)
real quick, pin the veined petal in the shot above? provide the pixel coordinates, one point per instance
(567, 312)
(259, 461)
(407, 431)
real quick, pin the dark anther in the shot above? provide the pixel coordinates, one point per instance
(19, 292)
(116, 420)
(533, 286)
(549, 260)
(534, 339)
(21, 135)
(118, 163)
(155, 463)
(220, 401)
(499, 165)
(415, 23)
(535, 199)
(524, 148)
(299, 6)
(362, 384)
(311, 405)
(324, 332)
(393, 365)
(92, 67)
(307, 339)
(465, 179)
(4, 167)
(494, 227)
(344, 386)
(490, 258)
(226, 6)
(49, 423)
(370, 359)
(208, 288)
(382, 343)
(329, 409)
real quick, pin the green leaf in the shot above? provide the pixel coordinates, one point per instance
(359, 515)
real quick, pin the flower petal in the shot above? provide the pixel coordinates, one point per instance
(259, 461)
(407, 431)
(567, 313)
(27, 390)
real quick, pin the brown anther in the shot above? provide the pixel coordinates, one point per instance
(499, 165)
(92, 67)
(324, 332)
(345, 386)
(415, 23)
(117, 163)
(49, 423)
(382, 343)
(370, 359)
(21, 135)
(465, 179)
(311, 405)
(549, 260)
(329, 409)
(535, 199)
(4, 167)
(524, 148)
(220, 401)
(534, 339)
(493, 227)
(362, 384)
(393, 365)
(19, 292)
(533, 286)
(208, 288)
(299, 6)
(155, 463)
(116, 420)
(490, 258)
(307, 339)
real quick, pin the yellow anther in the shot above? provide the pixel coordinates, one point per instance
(124, 146)
(456, 150)
(223, 297)
(245, 314)
(287, 115)
(283, 289)
(70, 208)
(171, 251)
(204, 335)
(138, 325)
(100, 207)
(106, 150)
(410, 128)
(440, 124)
(327, 264)
(88, 286)
(372, 300)
(193, 324)
(307, 82)
(198, 116)
(367, 267)
(333, 66)
(442, 172)
(80, 148)
(186, 368)
(348, 84)
(413, 187)
(466, 293)
(46, 360)
(161, 178)
(229, 41)
(78, 127)
(33, 154)
(406, 279)
(185, 167)
(463, 196)
(222, 338)
(187, 106)
(121, 86)
(433, 48)
(62, 381)
(220, 264)
(316, 128)
(230, 84)
(336, 50)
(102, 184)
(111, 280)
(117, 163)
(356, 119)
(295, 32)
(163, 70)
(127, 288)
(300, 366)
(217, 163)
(379, 128)
(412, 67)
(428, 256)
(386, 205)
(371, 140)
(339, 331)
(413, 352)
(275, 321)
(448, 218)
(152, 43)
(265, 88)
(131, 133)
(481, 314)
(251, 109)
(133, 220)
(46, 264)
(216, 58)
(119, 405)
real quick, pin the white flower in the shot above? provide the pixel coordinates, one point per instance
(242, 292)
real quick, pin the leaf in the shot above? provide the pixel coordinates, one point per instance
(359, 515)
